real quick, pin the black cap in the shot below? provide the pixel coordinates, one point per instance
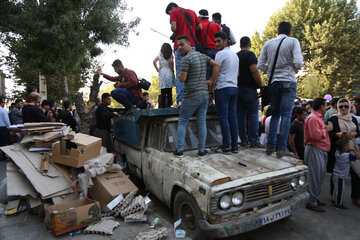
(203, 13)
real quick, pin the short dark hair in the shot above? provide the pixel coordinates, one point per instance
(105, 96)
(318, 102)
(217, 17)
(341, 143)
(169, 6)
(221, 35)
(334, 102)
(117, 63)
(2, 100)
(51, 103)
(66, 104)
(245, 41)
(30, 89)
(284, 28)
(299, 111)
(204, 13)
(145, 94)
(18, 100)
(185, 37)
(343, 100)
(45, 103)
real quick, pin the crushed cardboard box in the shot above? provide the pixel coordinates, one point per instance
(72, 215)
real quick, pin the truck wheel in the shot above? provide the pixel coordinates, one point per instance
(186, 209)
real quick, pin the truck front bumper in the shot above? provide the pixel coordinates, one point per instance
(251, 220)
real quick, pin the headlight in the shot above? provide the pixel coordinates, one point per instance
(302, 181)
(294, 183)
(225, 201)
(237, 198)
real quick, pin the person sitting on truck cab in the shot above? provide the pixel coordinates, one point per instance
(126, 91)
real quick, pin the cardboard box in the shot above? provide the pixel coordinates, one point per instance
(109, 185)
(75, 152)
(72, 215)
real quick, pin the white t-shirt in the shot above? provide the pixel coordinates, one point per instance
(267, 125)
(229, 68)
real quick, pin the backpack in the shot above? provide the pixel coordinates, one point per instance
(231, 37)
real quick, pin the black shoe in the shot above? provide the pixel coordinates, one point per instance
(130, 110)
(178, 153)
(244, 144)
(255, 146)
(342, 207)
(203, 153)
(270, 150)
(283, 153)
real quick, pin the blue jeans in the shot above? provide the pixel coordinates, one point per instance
(209, 69)
(226, 106)
(124, 96)
(248, 114)
(282, 100)
(179, 85)
(198, 106)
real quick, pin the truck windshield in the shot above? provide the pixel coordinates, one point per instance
(213, 137)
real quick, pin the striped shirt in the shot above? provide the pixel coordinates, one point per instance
(195, 64)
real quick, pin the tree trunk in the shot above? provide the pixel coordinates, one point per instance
(65, 89)
(85, 111)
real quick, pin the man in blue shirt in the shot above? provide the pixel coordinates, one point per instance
(15, 113)
(283, 84)
(4, 124)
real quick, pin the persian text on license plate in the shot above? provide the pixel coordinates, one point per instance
(274, 216)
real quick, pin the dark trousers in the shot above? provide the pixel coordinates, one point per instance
(355, 184)
(4, 139)
(106, 139)
(165, 98)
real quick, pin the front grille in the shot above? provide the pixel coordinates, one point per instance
(265, 191)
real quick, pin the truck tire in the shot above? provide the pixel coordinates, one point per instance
(186, 209)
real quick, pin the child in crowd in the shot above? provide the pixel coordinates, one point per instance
(166, 74)
(342, 170)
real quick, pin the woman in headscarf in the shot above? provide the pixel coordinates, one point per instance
(345, 126)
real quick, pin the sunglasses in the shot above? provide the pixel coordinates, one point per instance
(344, 106)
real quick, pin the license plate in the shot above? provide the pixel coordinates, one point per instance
(274, 216)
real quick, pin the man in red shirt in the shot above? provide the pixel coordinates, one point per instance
(210, 39)
(317, 143)
(179, 27)
(126, 89)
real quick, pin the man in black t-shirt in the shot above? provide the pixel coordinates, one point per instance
(249, 80)
(296, 135)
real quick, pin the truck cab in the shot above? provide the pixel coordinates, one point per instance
(221, 195)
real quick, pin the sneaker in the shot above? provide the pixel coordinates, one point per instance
(270, 150)
(244, 144)
(283, 153)
(178, 153)
(342, 207)
(203, 153)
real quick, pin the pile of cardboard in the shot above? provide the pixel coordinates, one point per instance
(53, 170)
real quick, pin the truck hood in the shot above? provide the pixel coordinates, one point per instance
(246, 163)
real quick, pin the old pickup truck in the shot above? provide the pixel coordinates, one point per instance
(216, 195)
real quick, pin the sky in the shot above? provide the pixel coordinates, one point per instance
(243, 18)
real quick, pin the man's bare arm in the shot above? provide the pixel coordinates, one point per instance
(173, 26)
(256, 75)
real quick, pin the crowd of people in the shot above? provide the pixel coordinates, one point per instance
(205, 71)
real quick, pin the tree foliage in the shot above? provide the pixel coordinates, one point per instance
(59, 39)
(329, 33)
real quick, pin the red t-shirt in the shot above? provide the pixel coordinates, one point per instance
(210, 39)
(181, 26)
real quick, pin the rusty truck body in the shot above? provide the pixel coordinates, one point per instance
(222, 195)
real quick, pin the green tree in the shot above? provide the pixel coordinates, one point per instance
(329, 33)
(154, 90)
(59, 39)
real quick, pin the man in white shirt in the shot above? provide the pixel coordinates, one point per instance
(226, 92)
(283, 84)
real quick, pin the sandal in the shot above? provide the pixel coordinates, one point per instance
(222, 150)
(235, 150)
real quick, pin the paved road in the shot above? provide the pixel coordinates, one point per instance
(303, 224)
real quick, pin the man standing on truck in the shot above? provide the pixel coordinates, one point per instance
(282, 80)
(196, 98)
(183, 22)
(126, 91)
(317, 143)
